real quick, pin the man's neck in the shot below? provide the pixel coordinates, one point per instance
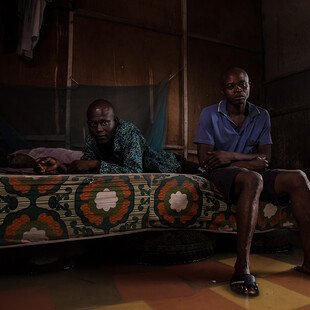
(236, 109)
(107, 146)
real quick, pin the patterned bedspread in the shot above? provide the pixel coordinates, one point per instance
(49, 208)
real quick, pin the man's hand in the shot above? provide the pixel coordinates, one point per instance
(259, 164)
(217, 159)
(49, 165)
(84, 166)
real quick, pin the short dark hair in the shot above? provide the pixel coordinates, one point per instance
(229, 71)
(100, 103)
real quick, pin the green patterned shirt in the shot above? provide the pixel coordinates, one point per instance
(131, 154)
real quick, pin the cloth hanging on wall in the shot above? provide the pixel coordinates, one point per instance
(32, 12)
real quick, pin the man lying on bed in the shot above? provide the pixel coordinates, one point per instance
(116, 146)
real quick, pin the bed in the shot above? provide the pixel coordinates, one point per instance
(38, 209)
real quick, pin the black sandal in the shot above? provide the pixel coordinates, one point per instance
(241, 284)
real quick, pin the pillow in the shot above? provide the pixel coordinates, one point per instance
(26, 158)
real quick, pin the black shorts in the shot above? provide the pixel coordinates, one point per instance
(224, 178)
(187, 167)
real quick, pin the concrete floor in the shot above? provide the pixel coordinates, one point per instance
(98, 276)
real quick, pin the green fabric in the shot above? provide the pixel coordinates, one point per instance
(134, 154)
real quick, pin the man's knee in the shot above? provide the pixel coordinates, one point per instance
(300, 177)
(294, 178)
(291, 180)
(249, 180)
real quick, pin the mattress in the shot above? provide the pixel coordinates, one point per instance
(51, 208)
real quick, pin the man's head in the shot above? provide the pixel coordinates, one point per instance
(101, 120)
(235, 85)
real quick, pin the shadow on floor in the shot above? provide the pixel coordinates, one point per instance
(150, 248)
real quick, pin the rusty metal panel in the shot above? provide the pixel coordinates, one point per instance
(235, 22)
(164, 15)
(287, 36)
(206, 63)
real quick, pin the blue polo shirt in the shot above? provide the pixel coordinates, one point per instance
(217, 128)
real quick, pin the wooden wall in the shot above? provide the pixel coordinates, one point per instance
(31, 98)
(287, 78)
(136, 42)
(121, 43)
(145, 38)
(221, 34)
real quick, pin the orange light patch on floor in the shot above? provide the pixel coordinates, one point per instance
(293, 280)
(272, 296)
(262, 265)
(202, 299)
(150, 285)
(30, 298)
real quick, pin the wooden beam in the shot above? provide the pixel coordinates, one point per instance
(69, 80)
(184, 76)
(290, 110)
(211, 40)
(287, 75)
(119, 20)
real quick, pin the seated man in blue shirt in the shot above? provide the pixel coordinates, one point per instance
(234, 148)
(116, 146)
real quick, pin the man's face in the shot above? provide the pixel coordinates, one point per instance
(101, 124)
(236, 87)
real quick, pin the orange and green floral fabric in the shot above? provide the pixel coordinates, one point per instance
(45, 208)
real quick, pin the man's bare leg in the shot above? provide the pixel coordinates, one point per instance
(248, 187)
(296, 184)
